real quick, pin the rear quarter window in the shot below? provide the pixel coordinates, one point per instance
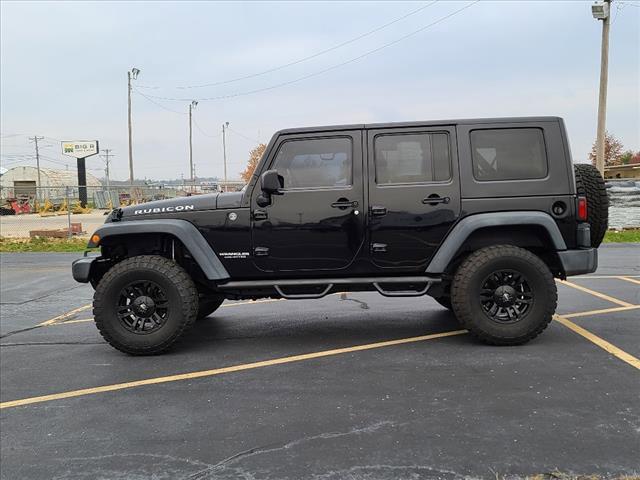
(508, 154)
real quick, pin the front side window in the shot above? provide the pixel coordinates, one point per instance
(412, 158)
(311, 163)
(508, 154)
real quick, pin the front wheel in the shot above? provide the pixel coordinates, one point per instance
(504, 295)
(143, 304)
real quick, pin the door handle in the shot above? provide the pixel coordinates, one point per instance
(435, 199)
(378, 211)
(261, 251)
(342, 204)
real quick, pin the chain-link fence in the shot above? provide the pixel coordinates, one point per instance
(28, 211)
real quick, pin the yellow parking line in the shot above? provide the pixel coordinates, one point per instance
(604, 276)
(82, 320)
(60, 318)
(629, 279)
(219, 371)
(595, 294)
(602, 343)
(250, 302)
(601, 311)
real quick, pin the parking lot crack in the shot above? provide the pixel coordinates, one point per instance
(270, 449)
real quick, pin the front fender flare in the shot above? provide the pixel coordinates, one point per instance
(184, 231)
(465, 227)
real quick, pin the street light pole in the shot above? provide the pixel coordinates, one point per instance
(601, 11)
(131, 74)
(224, 151)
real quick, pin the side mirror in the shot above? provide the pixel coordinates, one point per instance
(271, 182)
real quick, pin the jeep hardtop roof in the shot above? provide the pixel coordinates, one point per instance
(360, 126)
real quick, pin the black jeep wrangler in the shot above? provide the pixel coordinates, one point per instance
(479, 214)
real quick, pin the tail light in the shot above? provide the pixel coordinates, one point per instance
(582, 209)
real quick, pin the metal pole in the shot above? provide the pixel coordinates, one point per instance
(190, 146)
(130, 140)
(602, 99)
(224, 152)
(107, 154)
(39, 186)
(68, 191)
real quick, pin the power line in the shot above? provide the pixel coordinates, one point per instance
(156, 103)
(320, 72)
(304, 59)
(203, 132)
(243, 136)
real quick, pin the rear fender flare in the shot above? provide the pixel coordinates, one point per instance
(465, 227)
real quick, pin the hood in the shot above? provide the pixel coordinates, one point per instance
(210, 201)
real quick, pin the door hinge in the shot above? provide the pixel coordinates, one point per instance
(259, 215)
(261, 252)
(378, 247)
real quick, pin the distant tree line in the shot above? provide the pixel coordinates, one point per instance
(614, 153)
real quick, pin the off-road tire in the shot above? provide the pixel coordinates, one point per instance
(208, 304)
(181, 294)
(444, 301)
(466, 299)
(589, 183)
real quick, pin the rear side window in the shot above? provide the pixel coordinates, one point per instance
(318, 162)
(412, 158)
(508, 154)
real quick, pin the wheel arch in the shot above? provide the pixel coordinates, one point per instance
(145, 235)
(535, 231)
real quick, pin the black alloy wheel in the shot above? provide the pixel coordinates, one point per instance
(506, 296)
(142, 307)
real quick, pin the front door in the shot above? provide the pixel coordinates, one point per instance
(317, 224)
(414, 194)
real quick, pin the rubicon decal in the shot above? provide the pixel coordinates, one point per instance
(177, 208)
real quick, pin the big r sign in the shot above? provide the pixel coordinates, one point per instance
(80, 148)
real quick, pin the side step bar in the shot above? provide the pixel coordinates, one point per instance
(377, 283)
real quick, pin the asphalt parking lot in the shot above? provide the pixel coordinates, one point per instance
(352, 386)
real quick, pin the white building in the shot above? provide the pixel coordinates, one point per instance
(24, 180)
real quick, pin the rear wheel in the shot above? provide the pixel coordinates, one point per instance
(589, 183)
(504, 295)
(144, 304)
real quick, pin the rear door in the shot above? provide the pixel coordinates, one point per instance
(414, 194)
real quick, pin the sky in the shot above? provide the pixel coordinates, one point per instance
(63, 73)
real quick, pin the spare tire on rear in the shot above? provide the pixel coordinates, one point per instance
(590, 184)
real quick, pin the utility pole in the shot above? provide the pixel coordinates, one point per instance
(601, 11)
(224, 151)
(131, 74)
(192, 105)
(106, 155)
(35, 139)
